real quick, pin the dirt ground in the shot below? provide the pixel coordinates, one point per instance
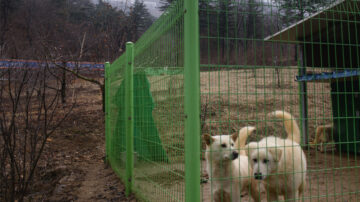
(72, 166)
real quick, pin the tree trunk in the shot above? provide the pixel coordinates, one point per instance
(63, 85)
(102, 88)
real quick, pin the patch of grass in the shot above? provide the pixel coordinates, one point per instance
(165, 178)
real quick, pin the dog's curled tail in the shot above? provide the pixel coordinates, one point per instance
(319, 131)
(241, 140)
(291, 127)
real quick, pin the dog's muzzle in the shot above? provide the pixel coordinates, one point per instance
(258, 176)
(234, 155)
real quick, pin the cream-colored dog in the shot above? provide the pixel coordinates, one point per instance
(323, 136)
(280, 163)
(229, 172)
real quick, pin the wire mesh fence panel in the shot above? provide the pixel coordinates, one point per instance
(280, 106)
(115, 119)
(158, 110)
(299, 57)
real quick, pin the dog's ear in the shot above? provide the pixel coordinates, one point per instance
(249, 148)
(276, 153)
(234, 136)
(208, 139)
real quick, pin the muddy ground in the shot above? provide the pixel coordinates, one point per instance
(72, 166)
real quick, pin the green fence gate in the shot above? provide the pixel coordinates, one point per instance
(215, 66)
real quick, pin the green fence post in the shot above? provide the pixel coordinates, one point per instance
(303, 100)
(192, 101)
(129, 114)
(107, 112)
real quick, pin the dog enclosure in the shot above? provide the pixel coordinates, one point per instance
(215, 66)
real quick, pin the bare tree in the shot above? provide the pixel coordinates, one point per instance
(30, 112)
(6, 9)
(53, 55)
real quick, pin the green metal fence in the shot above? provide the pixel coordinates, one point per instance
(216, 66)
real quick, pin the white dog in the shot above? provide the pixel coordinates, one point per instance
(229, 173)
(280, 163)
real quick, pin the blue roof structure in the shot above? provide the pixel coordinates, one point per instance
(328, 75)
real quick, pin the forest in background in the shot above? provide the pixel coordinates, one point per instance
(232, 32)
(30, 29)
(82, 30)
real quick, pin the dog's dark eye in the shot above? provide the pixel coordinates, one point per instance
(232, 144)
(255, 160)
(266, 161)
(223, 145)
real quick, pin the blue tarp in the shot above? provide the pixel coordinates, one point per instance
(328, 75)
(36, 64)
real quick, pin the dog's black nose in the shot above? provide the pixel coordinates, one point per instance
(235, 155)
(258, 176)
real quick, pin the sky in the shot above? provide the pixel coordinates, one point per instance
(152, 5)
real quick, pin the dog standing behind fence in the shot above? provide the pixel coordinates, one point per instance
(228, 171)
(324, 136)
(280, 163)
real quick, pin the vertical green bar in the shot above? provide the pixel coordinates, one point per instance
(303, 99)
(107, 112)
(129, 115)
(192, 101)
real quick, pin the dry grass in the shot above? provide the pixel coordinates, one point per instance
(237, 98)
